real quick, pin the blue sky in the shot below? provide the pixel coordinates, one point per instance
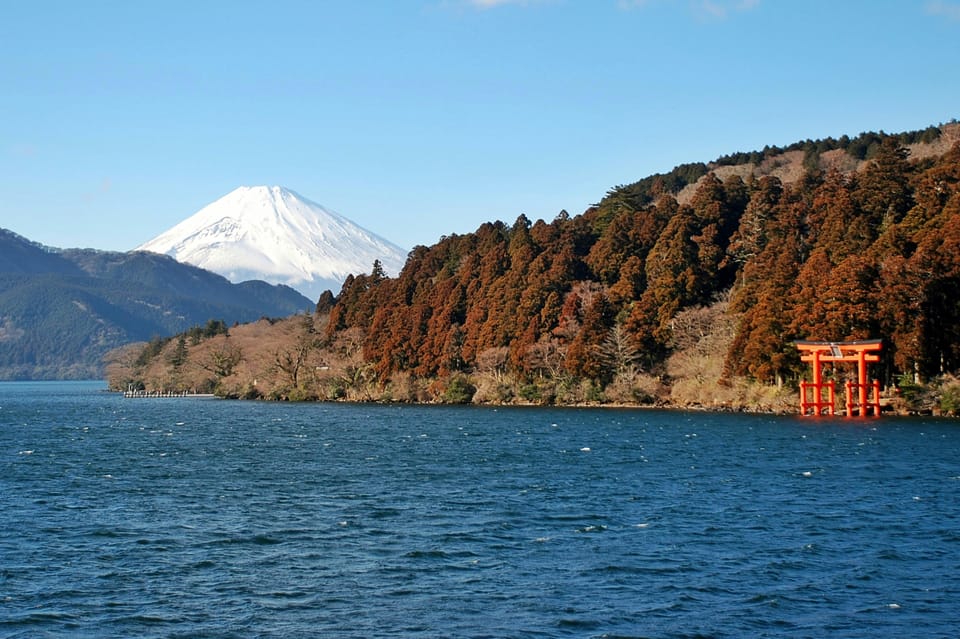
(422, 118)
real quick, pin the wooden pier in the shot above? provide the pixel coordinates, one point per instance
(143, 394)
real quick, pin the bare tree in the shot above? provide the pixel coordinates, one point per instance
(618, 352)
(547, 356)
(291, 361)
(222, 359)
(494, 361)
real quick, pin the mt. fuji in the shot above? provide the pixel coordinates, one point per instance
(271, 233)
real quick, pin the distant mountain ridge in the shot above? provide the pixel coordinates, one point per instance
(61, 310)
(273, 234)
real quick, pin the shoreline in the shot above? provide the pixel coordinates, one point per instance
(693, 408)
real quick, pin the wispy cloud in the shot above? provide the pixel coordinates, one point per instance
(467, 6)
(720, 9)
(702, 9)
(105, 185)
(711, 9)
(948, 10)
(23, 150)
(492, 4)
(634, 4)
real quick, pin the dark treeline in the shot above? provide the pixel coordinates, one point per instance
(863, 147)
(833, 256)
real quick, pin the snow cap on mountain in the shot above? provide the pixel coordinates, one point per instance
(273, 234)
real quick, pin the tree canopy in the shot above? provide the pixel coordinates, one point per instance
(590, 302)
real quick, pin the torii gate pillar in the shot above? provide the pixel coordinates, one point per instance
(859, 397)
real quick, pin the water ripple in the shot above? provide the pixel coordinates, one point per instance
(233, 519)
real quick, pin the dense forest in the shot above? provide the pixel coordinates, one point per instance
(700, 280)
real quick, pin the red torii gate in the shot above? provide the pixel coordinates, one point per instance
(860, 352)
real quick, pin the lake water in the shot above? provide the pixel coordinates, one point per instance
(207, 518)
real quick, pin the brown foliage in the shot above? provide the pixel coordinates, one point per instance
(546, 311)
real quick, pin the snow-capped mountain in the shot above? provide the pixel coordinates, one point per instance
(271, 233)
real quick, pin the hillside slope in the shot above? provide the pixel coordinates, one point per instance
(647, 290)
(61, 311)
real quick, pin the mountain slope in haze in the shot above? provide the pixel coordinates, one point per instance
(275, 235)
(20, 255)
(164, 273)
(62, 310)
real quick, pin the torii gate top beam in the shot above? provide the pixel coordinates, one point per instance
(855, 351)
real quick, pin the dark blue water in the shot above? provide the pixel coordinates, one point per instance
(205, 518)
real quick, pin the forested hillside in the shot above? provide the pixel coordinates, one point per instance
(62, 310)
(720, 273)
